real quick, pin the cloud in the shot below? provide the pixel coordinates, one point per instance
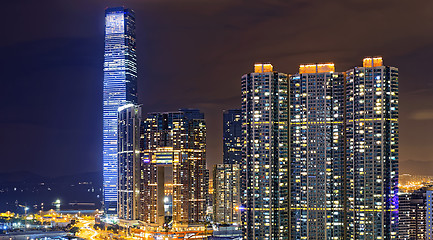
(426, 114)
(416, 167)
(419, 91)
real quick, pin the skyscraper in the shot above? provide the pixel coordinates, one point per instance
(232, 136)
(372, 138)
(120, 88)
(265, 148)
(227, 175)
(413, 210)
(129, 147)
(174, 147)
(404, 215)
(226, 181)
(317, 152)
(344, 152)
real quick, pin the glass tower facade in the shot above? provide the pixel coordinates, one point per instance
(265, 154)
(317, 152)
(372, 139)
(129, 147)
(232, 136)
(120, 88)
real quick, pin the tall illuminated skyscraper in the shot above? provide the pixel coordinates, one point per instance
(265, 148)
(372, 138)
(232, 136)
(317, 152)
(129, 148)
(120, 88)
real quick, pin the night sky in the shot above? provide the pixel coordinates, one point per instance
(193, 54)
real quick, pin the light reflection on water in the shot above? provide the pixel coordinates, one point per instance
(37, 236)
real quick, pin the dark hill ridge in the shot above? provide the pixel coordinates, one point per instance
(34, 191)
(20, 177)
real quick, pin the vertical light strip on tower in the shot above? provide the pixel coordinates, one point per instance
(120, 81)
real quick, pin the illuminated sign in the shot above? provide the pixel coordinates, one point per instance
(146, 158)
(163, 158)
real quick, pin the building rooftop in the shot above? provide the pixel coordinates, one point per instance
(263, 67)
(372, 62)
(316, 68)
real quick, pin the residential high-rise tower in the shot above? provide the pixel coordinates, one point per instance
(265, 148)
(344, 152)
(372, 138)
(317, 152)
(120, 88)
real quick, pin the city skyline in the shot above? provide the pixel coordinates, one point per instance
(313, 153)
(74, 81)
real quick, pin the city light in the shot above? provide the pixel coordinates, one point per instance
(293, 149)
(120, 78)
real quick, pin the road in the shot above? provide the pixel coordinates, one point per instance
(86, 229)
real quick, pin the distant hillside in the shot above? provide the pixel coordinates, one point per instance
(37, 192)
(20, 177)
(416, 167)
